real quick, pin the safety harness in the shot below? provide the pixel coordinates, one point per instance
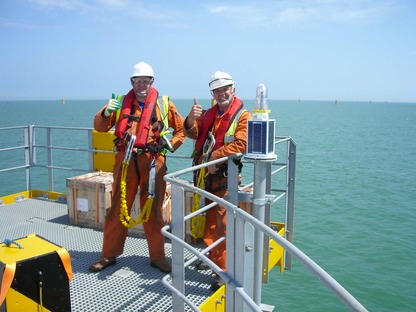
(204, 145)
(134, 131)
(226, 124)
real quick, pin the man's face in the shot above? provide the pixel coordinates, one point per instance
(224, 95)
(141, 85)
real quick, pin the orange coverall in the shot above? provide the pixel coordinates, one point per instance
(215, 219)
(115, 232)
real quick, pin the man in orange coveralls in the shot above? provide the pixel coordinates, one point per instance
(141, 115)
(227, 121)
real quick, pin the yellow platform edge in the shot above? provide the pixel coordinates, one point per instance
(17, 197)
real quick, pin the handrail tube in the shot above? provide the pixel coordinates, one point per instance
(196, 189)
(197, 252)
(90, 154)
(200, 166)
(50, 158)
(279, 197)
(237, 289)
(279, 169)
(275, 163)
(61, 127)
(13, 148)
(290, 199)
(199, 211)
(30, 157)
(14, 168)
(62, 168)
(279, 140)
(214, 267)
(245, 186)
(178, 293)
(279, 190)
(321, 274)
(68, 148)
(13, 128)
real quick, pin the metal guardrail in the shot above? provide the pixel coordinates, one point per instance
(241, 288)
(30, 150)
(35, 148)
(29, 145)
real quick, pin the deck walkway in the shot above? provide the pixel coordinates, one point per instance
(130, 285)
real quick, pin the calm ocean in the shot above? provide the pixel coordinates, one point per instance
(354, 202)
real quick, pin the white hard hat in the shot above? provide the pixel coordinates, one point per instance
(142, 69)
(220, 79)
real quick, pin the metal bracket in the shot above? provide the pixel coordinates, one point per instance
(264, 201)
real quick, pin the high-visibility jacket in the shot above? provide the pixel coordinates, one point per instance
(225, 132)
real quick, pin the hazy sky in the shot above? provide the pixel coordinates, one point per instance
(306, 49)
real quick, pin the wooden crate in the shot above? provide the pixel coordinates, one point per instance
(88, 198)
(91, 194)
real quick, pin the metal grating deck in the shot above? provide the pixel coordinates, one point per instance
(130, 285)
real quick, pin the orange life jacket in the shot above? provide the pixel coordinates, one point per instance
(208, 120)
(143, 127)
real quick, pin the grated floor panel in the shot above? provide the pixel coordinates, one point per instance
(131, 285)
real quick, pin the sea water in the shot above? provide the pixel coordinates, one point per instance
(354, 196)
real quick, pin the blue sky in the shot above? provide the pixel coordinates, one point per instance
(307, 49)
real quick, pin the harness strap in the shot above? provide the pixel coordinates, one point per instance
(66, 261)
(136, 165)
(6, 282)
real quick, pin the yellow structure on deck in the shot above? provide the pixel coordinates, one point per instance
(103, 141)
(35, 275)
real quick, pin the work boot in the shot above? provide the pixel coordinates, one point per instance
(102, 264)
(199, 265)
(217, 283)
(162, 265)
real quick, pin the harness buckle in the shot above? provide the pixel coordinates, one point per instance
(130, 146)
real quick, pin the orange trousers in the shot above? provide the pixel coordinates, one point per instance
(215, 220)
(115, 233)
